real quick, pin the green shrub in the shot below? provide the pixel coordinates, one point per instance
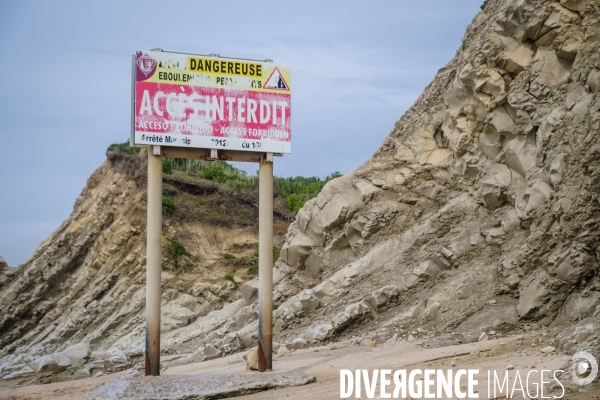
(294, 202)
(167, 205)
(228, 256)
(298, 190)
(255, 253)
(253, 270)
(167, 191)
(167, 166)
(175, 250)
(230, 278)
(124, 148)
(214, 173)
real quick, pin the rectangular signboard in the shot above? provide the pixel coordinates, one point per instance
(188, 100)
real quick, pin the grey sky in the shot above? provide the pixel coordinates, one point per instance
(65, 91)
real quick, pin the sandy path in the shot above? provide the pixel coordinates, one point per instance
(325, 364)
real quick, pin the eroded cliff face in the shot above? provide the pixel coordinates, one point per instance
(480, 209)
(85, 284)
(479, 213)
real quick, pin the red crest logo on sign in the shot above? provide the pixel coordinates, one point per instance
(146, 65)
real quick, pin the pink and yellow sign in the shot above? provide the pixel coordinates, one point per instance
(211, 102)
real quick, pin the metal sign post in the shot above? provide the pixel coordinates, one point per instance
(265, 265)
(153, 258)
(209, 108)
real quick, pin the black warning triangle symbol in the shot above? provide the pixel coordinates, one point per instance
(276, 81)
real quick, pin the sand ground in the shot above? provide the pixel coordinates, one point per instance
(325, 363)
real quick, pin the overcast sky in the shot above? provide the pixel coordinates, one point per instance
(357, 66)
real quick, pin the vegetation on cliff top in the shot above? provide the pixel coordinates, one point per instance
(291, 192)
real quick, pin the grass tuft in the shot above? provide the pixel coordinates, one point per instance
(230, 278)
(167, 205)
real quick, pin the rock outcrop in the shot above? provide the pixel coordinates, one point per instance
(480, 210)
(84, 287)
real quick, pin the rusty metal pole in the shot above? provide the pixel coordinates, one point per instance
(265, 264)
(153, 258)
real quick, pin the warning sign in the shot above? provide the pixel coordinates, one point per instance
(211, 102)
(276, 81)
